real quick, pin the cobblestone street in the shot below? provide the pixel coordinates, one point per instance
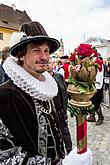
(98, 138)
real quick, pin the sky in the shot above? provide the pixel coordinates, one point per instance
(72, 20)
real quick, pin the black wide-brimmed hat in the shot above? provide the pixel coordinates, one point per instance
(64, 57)
(29, 33)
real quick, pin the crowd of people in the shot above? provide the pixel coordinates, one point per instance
(98, 97)
(33, 100)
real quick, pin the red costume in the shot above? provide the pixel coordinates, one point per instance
(66, 66)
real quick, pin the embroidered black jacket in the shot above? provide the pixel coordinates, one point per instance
(18, 117)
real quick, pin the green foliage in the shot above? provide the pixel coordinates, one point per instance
(94, 48)
(80, 110)
(83, 87)
(71, 80)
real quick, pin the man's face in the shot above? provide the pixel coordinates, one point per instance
(64, 61)
(36, 58)
(50, 65)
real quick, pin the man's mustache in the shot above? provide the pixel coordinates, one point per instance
(41, 62)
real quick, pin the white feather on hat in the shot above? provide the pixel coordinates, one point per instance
(16, 38)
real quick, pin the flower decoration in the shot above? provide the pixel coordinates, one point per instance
(85, 63)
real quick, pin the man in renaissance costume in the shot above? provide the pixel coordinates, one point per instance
(29, 128)
(29, 131)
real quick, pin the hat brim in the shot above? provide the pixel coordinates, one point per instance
(64, 57)
(53, 43)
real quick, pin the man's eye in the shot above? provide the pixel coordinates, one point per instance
(47, 51)
(36, 50)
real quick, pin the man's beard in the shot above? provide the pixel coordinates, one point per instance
(41, 70)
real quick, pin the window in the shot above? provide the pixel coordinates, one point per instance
(1, 36)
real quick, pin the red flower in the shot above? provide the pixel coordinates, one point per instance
(72, 57)
(95, 54)
(84, 50)
(86, 56)
(100, 63)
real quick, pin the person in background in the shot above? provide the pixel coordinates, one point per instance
(107, 75)
(55, 66)
(61, 101)
(60, 68)
(98, 97)
(4, 55)
(65, 64)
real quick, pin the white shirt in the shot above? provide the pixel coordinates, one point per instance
(61, 71)
(99, 78)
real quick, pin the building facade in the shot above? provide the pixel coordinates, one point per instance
(10, 21)
(60, 52)
(102, 45)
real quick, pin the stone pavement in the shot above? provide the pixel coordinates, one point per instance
(98, 138)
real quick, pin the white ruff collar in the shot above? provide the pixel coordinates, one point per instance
(42, 90)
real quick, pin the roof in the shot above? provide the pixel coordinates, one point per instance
(12, 18)
(97, 39)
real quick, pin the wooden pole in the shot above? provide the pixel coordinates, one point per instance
(81, 130)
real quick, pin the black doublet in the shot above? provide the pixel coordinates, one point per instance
(17, 111)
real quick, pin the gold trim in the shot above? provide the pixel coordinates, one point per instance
(80, 119)
(81, 144)
(80, 104)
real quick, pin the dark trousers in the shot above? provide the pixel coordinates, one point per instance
(97, 99)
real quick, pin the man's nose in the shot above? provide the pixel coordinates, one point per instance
(44, 55)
